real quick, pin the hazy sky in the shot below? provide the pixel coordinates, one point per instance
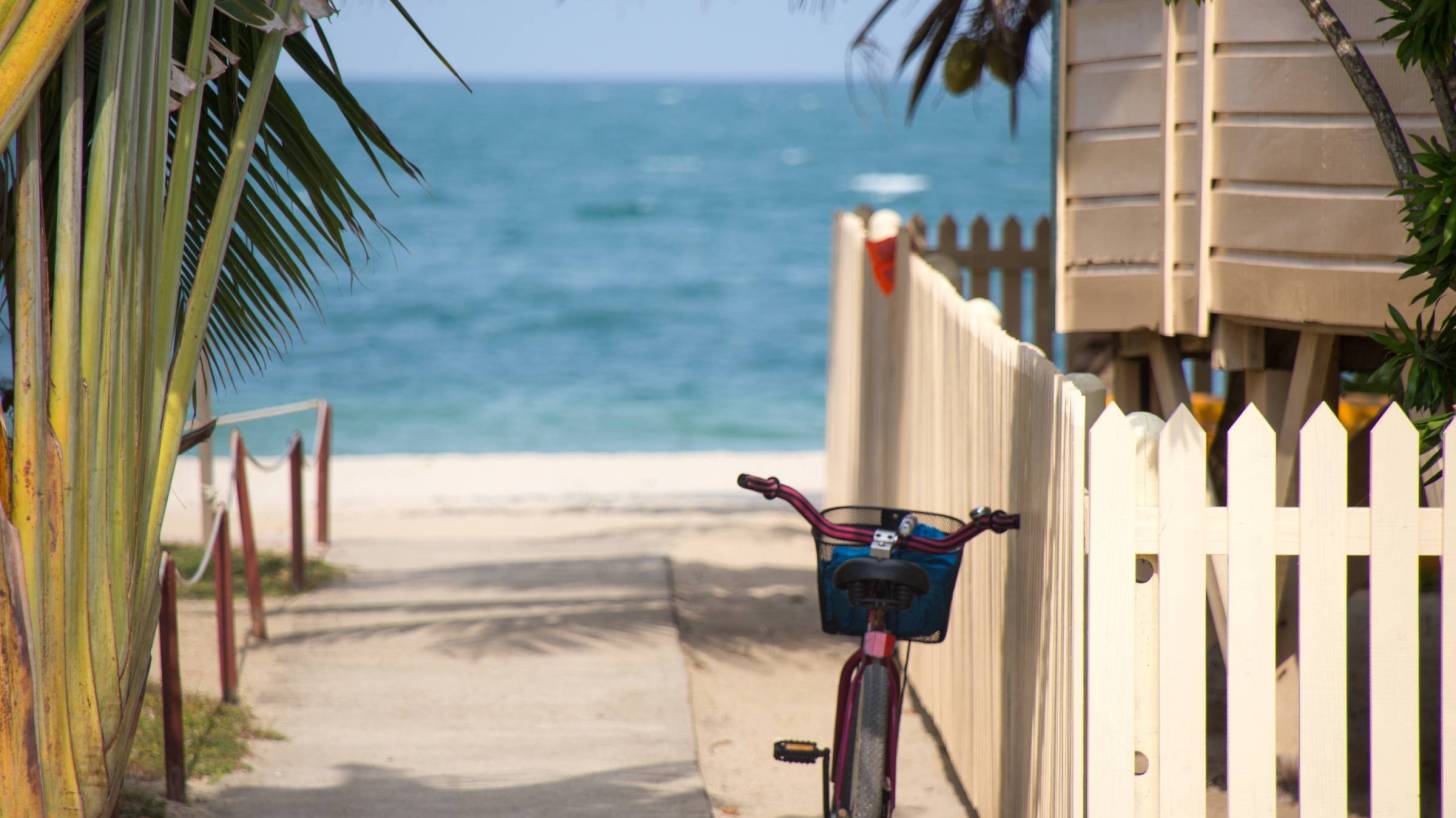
(610, 39)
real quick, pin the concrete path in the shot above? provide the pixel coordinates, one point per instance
(481, 670)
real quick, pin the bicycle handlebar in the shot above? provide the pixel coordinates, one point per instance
(771, 489)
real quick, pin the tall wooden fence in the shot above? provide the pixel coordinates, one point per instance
(931, 407)
(1003, 269)
(970, 257)
(1075, 679)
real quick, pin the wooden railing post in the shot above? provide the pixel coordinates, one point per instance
(174, 758)
(227, 646)
(295, 488)
(324, 443)
(250, 541)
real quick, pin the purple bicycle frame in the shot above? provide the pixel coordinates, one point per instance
(878, 647)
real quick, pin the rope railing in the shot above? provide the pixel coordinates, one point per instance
(217, 549)
(319, 459)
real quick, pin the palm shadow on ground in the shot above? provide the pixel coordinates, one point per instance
(718, 609)
(367, 791)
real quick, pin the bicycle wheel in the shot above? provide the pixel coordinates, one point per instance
(871, 738)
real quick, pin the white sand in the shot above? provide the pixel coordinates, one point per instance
(396, 487)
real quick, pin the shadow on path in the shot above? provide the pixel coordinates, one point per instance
(369, 791)
(546, 607)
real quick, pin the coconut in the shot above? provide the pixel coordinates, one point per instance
(962, 66)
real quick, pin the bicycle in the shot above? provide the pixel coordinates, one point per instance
(884, 574)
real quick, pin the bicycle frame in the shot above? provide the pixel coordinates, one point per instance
(877, 646)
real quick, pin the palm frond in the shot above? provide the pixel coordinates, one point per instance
(1001, 30)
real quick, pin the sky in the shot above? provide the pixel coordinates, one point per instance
(611, 39)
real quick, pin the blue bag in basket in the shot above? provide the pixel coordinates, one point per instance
(924, 621)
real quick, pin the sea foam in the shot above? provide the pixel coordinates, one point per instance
(889, 185)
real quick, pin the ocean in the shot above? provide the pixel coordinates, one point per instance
(619, 267)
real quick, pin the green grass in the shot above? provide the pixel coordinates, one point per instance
(216, 736)
(272, 566)
(138, 803)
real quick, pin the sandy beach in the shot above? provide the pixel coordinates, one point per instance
(563, 594)
(370, 491)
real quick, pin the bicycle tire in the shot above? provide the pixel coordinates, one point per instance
(871, 740)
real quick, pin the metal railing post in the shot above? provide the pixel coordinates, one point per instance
(227, 647)
(250, 541)
(174, 757)
(323, 446)
(295, 487)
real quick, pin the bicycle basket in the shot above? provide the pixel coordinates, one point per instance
(926, 618)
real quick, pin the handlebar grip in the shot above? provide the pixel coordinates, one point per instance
(997, 521)
(1002, 522)
(767, 486)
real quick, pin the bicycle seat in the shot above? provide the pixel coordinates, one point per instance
(867, 569)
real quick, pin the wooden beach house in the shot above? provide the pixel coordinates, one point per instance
(1222, 194)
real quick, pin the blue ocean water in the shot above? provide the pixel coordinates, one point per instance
(621, 267)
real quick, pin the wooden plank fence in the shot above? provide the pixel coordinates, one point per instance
(932, 406)
(974, 260)
(1003, 272)
(1078, 671)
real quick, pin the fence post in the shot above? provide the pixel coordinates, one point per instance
(324, 443)
(174, 757)
(295, 490)
(250, 542)
(222, 577)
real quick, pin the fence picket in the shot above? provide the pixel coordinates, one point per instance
(1045, 314)
(1110, 568)
(1252, 774)
(1322, 611)
(843, 429)
(1394, 625)
(1182, 688)
(1448, 625)
(1012, 283)
(980, 269)
(1146, 429)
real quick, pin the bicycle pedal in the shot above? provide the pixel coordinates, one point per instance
(798, 752)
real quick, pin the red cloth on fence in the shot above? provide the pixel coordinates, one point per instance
(882, 262)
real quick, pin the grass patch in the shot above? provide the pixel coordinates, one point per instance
(138, 803)
(216, 734)
(272, 567)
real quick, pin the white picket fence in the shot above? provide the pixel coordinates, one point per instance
(1146, 629)
(1073, 679)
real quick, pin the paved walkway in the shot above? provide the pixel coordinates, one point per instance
(479, 671)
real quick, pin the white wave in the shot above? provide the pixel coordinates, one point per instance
(793, 157)
(672, 164)
(808, 102)
(669, 96)
(889, 185)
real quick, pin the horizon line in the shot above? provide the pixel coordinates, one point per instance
(292, 72)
